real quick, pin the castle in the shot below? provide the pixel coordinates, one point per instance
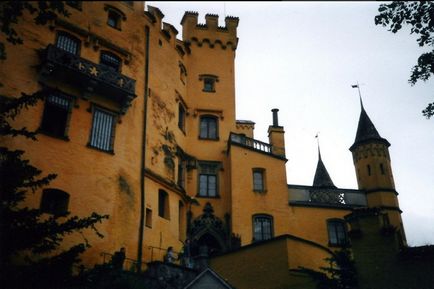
(141, 126)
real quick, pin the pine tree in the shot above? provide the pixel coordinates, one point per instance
(30, 253)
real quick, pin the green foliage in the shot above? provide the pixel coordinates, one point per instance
(30, 240)
(419, 15)
(341, 274)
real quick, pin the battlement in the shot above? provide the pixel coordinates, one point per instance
(209, 32)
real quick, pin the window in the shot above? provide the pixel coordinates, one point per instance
(209, 81)
(369, 169)
(110, 61)
(208, 179)
(56, 115)
(337, 232)
(148, 221)
(208, 85)
(383, 172)
(68, 43)
(114, 19)
(54, 202)
(208, 127)
(181, 117)
(163, 204)
(182, 73)
(181, 173)
(262, 227)
(258, 180)
(102, 133)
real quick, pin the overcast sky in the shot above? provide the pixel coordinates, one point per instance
(303, 58)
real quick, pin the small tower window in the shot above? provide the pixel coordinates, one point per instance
(383, 172)
(258, 180)
(369, 169)
(208, 82)
(148, 222)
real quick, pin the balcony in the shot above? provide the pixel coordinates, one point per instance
(326, 197)
(87, 76)
(251, 143)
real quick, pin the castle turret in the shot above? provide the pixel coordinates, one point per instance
(374, 172)
(276, 136)
(322, 177)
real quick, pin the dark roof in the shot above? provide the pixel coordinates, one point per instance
(322, 177)
(366, 131)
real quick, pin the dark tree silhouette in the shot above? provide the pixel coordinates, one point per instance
(419, 16)
(30, 253)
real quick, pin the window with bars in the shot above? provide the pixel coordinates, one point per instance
(102, 133)
(54, 202)
(208, 127)
(208, 179)
(67, 42)
(262, 227)
(337, 232)
(56, 115)
(110, 61)
(259, 180)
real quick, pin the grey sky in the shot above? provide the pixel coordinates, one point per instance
(303, 58)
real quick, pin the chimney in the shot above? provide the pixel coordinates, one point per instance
(276, 136)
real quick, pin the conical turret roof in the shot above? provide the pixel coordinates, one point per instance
(366, 130)
(322, 177)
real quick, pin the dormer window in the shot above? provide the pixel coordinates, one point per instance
(209, 82)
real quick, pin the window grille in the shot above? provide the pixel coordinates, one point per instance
(111, 61)
(102, 130)
(68, 43)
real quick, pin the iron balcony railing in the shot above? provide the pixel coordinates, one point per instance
(87, 75)
(250, 142)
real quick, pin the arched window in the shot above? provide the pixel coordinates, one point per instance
(67, 42)
(111, 61)
(54, 202)
(337, 231)
(262, 227)
(163, 204)
(208, 127)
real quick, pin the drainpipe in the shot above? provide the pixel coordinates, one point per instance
(142, 165)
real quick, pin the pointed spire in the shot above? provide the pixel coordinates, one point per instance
(322, 177)
(366, 130)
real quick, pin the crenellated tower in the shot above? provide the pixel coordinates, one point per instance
(374, 171)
